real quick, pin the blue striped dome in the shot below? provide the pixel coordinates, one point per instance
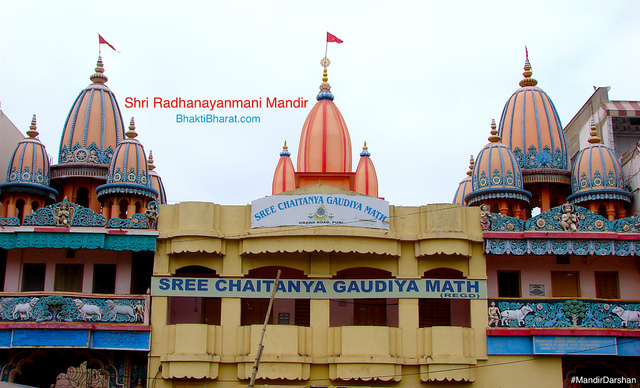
(496, 174)
(94, 125)
(128, 171)
(531, 128)
(597, 174)
(464, 187)
(29, 167)
(155, 181)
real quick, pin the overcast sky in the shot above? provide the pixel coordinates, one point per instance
(419, 81)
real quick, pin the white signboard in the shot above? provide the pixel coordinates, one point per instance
(320, 209)
(320, 288)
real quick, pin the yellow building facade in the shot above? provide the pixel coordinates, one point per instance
(420, 341)
(370, 294)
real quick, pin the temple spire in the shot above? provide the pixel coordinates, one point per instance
(527, 80)
(594, 138)
(98, 77)
(150, 161)
(494, 137)
(285, 150)
(131, 133)
(325, 88)
(365, 150)
(32, 132)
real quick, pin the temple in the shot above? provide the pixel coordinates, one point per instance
(528, 279)
(561, 234)
(77, 241)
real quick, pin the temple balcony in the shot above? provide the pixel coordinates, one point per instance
(356, 352)
(447, 353)
(287, 350)
(194, 351)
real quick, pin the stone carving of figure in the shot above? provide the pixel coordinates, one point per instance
(494, 315)
(568, 219)
(63, 214)
(152, 214)
(485, 222)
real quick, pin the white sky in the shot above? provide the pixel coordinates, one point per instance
(419, 81)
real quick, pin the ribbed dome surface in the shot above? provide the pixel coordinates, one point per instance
(496, 174)
(128, 171)
(94, 125)
(531, 128)
(597, 174)
(29, 164)
(155, 181)
(366, 181)
(284, 177)
(325, 145)
(464, 187)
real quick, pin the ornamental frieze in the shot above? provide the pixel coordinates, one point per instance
(65, 214)
(519, 313)
(60, 308)
(565, 218)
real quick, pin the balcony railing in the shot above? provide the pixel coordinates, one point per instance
(564, 313)
(68, 307)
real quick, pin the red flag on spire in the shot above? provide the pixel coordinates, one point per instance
(101, 40)
(333, 38)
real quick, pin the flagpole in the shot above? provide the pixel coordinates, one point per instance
(326, 47)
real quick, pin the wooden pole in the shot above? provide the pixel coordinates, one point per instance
(256, 363)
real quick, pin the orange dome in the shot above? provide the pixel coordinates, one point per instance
(325, 145)
(496, 173)
(155, 181)
(94, 125)
(284, 177)
(464, 187)
(366, 177)
(29, 166)
(531, 128)
(596, 174)
(128, 172)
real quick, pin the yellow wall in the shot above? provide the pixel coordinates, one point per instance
(419, 239)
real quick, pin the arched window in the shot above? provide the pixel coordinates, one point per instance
(284, 311)
(138, 207)
(444, 312)
(82, 197)
(20, 209)
(191, 309)
(602, 210)
(35, 205)
(364, 312)
(124, 204)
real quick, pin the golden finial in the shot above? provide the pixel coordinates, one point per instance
(494, 138)
(150, 161)
(131, 133)
(471, 163)
(98, 77)
(527, 81)
(285, 150)
(365, 150)
(594, 138)
(32, 132)
(324, 86)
